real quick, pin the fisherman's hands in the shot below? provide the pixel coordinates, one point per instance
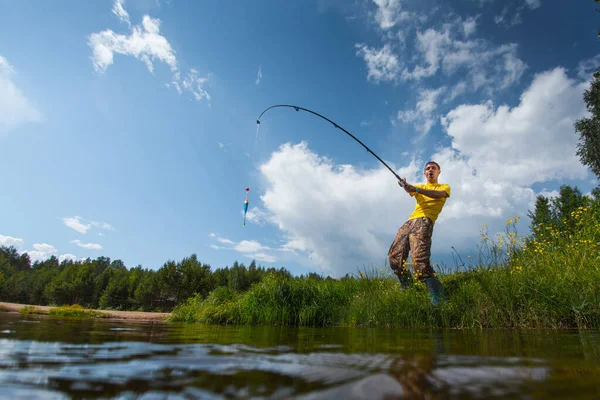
(406, 186)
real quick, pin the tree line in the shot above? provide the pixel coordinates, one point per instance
(106, 284)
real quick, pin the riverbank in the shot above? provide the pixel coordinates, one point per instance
(112, 314)
(548, 281)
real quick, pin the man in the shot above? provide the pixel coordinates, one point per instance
(415, 234)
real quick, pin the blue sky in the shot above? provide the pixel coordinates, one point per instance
(128, 128)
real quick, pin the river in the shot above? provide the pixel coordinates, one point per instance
(43, 357)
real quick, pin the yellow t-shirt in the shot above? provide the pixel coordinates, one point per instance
(426, 206)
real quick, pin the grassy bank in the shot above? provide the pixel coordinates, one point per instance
(546, 281)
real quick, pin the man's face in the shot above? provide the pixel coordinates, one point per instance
(432, 172)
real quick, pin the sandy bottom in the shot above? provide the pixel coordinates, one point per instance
(129, 315)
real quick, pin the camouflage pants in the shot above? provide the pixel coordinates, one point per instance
(414, 236)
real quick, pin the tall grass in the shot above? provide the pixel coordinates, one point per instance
(550, 280)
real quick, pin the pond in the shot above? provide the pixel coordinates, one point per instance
(46, 357)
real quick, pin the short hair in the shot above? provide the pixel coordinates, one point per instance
(433, 162)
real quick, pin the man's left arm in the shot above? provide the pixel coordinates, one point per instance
(436, 194)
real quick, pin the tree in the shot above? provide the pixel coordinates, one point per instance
(560, 211)
(542, 213)
(588, 148)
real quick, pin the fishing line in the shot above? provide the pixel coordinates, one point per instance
(250, 179)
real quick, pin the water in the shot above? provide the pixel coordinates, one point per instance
(44, 357)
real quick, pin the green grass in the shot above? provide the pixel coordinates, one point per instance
(31, 310)
(75, 311)
(514, 282)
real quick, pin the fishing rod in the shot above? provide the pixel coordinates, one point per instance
(335, 125)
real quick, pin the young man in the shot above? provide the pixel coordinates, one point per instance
(415, 234)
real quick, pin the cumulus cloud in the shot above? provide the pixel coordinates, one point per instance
(146, 43)
(9, 241)
(340, 217)
(67, 256)
(15, 108)
(89, 246)
(42, 252)
(79, 224)
(532, 142)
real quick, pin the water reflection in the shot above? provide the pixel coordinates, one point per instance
(57, 358)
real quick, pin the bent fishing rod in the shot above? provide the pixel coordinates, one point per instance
(335, 125)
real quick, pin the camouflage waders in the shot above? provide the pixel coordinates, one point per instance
(414, 236)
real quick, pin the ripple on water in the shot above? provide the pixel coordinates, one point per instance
(205, 370)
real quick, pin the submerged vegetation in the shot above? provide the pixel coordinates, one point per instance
(72, 311)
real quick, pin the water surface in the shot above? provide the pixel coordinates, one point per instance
(46, 357)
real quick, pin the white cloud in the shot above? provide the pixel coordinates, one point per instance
(77, 223)
(258, 76)
(432, 45)
(389, 13)
(195, 84)
(490, 67)
(120, 12)
(42, 252)
(102, 225)
(263, 257)
(532, 142)
(382, 64)
(533, 4)
(15, 108)
(145, 43)
(248, 248)
(469, 26)
(340, 217)
(511, 14)
(67, 256)
(89, 246)
(586, 68)
(457, 90)
(423, 116)
(8, 241)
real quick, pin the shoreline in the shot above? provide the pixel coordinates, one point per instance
(109, 314)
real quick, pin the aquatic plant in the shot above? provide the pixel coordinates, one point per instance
(31, 310)
(75, 311)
